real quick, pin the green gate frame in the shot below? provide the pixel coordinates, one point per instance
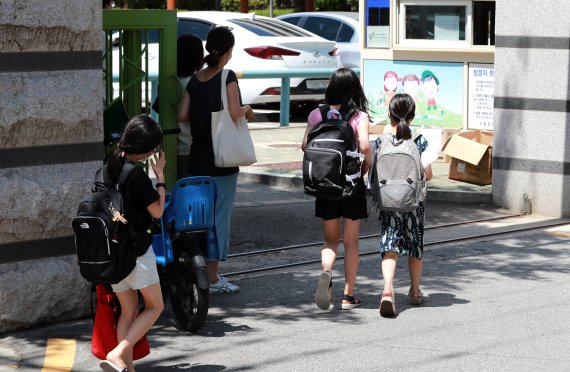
(130, 23)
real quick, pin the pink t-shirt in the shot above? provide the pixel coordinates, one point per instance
(315, 117)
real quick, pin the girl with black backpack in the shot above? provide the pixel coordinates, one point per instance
(140, 140)
(345, 95)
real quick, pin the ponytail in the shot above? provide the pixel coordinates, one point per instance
(212, 59)
(402, 108)
(403, 130)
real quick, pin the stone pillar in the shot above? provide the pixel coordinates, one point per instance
(51, 125)
(532, 105)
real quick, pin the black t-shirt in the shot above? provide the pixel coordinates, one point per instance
(138, 194)
(205, 98)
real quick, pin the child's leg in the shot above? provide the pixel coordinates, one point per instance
(389, 270)
(415, 267)
(123, 356)
(350, 241)
(154, 305)
(331, 235)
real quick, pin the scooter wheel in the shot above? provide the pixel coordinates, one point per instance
(189, 303)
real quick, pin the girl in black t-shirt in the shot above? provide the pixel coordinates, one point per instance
(140, 140)
(202, 97)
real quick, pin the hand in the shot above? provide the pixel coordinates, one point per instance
(249, 115)
(157, 162)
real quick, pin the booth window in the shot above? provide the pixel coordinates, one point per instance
(446, 23)
(435, 22)
(483, 23)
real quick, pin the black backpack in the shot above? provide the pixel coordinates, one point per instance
(104, 253)
(331, 168)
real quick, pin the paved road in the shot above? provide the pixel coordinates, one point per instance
(494, 304)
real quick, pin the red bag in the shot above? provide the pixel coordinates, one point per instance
(104, 337)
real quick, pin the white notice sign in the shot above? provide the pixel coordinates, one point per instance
(378, 36)
(446, 27)
(481, 96)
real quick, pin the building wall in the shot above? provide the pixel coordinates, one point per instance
(532, 105)
(51, 104)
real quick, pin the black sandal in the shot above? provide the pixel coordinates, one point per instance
(353, 302)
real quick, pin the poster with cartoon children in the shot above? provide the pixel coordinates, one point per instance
(436, 87)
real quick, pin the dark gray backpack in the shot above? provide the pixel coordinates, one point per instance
(398, 183)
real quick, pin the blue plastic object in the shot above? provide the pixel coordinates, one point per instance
(188, 207)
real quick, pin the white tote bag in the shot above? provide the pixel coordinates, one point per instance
(232, 142)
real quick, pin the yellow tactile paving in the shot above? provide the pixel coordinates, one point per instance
(59, 356)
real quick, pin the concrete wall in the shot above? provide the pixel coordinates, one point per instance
(532, 106)
(51, 103)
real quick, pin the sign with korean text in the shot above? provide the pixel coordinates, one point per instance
(481, 96)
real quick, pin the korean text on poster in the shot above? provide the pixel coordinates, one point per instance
(481, 96)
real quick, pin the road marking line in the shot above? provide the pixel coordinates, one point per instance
(60, 354)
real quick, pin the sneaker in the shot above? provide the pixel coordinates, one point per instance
(223, 286)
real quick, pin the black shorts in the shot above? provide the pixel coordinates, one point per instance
(353, 207)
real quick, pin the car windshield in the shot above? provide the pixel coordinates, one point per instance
(263, 27)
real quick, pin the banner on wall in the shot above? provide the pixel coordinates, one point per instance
(436, 87)
(377, 23)
(481, 96)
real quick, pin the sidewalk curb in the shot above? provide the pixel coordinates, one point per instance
(454, 196)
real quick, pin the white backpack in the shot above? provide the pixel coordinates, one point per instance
(398, 182)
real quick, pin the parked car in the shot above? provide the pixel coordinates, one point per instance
(262, 44)
(342, 27)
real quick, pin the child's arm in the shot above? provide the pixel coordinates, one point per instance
(184, 109)
(428, 172)
(364, 143)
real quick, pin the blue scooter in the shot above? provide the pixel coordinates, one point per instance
(187, 227)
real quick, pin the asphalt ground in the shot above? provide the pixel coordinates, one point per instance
(494, 304)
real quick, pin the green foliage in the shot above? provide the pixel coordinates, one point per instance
(233, 5)
(161, 4)
(276, 12)
(337, 5)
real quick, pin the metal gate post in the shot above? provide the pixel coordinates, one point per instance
(135, 23)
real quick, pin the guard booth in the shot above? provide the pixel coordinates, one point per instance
(441, 53)
(139, 65)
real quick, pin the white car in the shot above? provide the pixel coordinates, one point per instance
(342, 27)
(262, 44)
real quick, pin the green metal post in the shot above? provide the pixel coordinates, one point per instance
(132, 72)
(135, 72)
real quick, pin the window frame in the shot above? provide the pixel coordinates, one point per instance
(401, 41)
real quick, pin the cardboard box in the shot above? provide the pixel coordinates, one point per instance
(378, 129)
(446, 134)
(471, 156)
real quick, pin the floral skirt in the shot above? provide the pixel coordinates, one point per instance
(402, 232)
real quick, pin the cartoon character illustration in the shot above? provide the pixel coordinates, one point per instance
(430, 85)
(411, 84)
(390, 86)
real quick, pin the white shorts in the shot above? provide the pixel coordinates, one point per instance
(143, 275)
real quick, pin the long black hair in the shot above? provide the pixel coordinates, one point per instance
(190, 55)
(141, 135)
(345, 90)
(402, 108)
(219, 40)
